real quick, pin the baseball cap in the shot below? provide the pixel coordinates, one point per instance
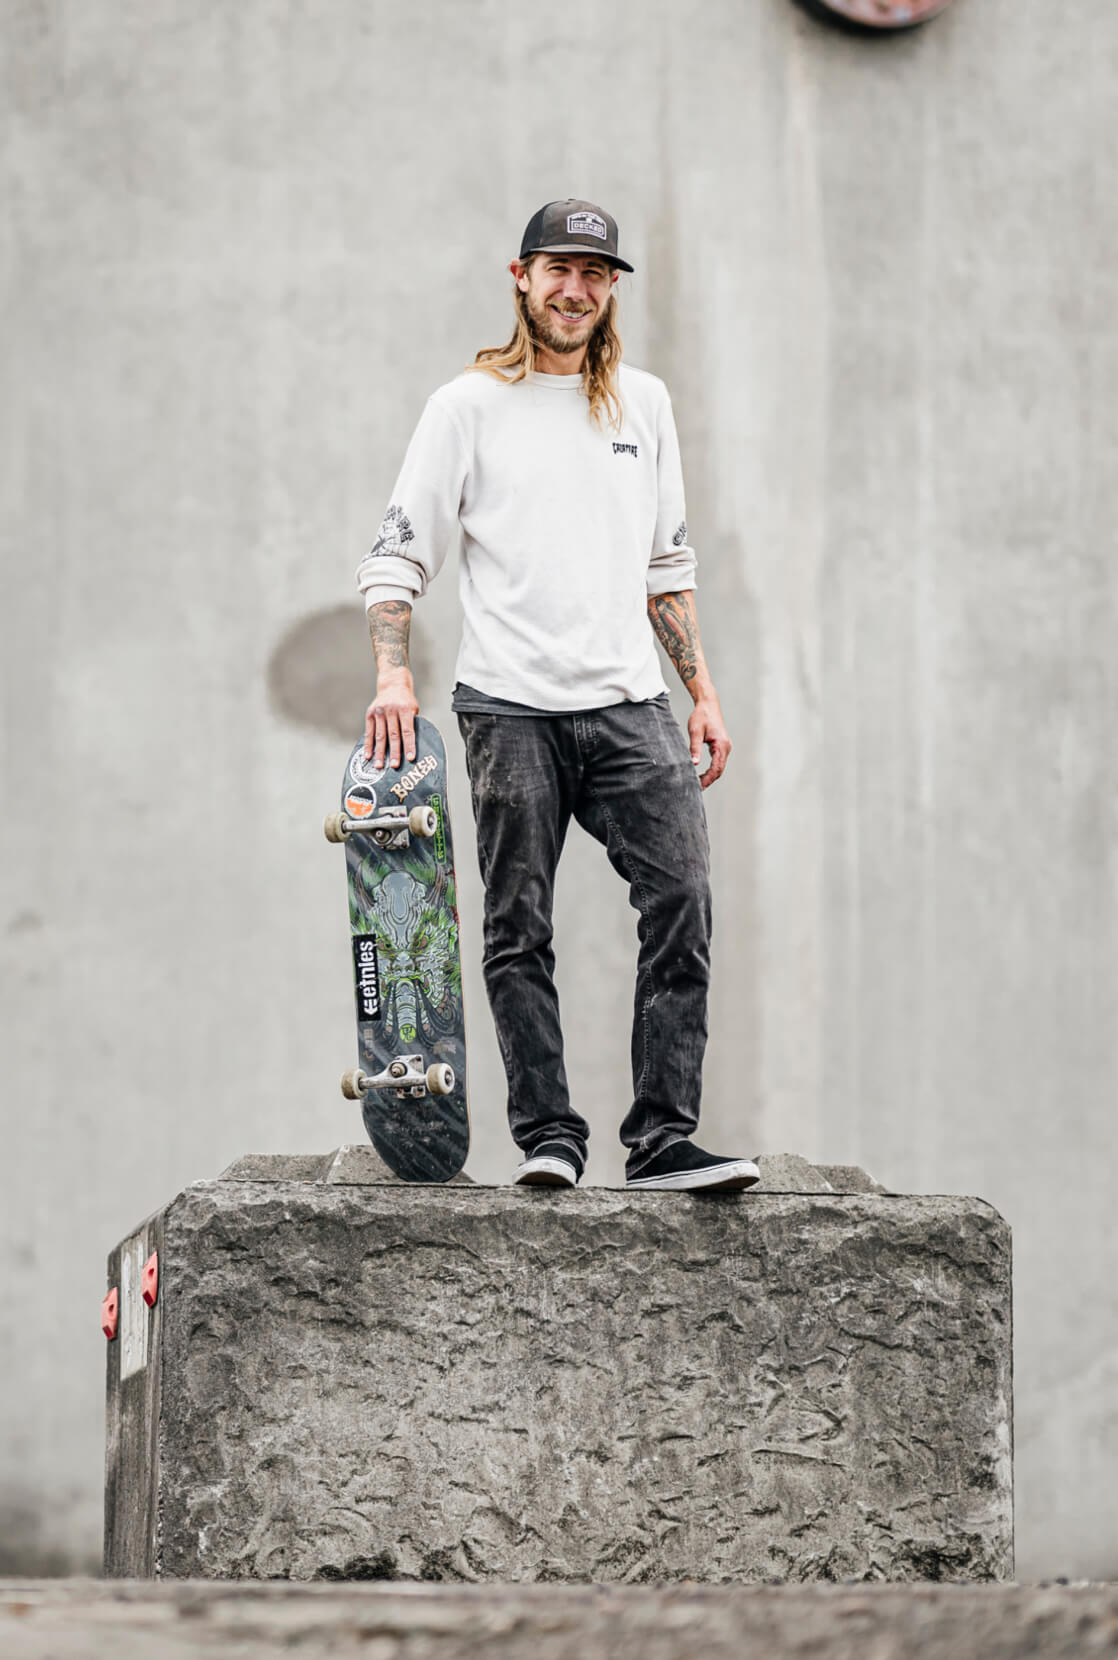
(572, 227)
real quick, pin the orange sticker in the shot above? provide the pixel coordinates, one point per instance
(360, 805)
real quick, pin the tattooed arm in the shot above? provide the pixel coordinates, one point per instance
(390, 717)
(676, 627)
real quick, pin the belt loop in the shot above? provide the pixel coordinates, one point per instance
(586, 732)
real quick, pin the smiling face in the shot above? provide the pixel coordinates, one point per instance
(566, 295)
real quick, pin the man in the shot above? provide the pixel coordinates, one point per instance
(561, 467)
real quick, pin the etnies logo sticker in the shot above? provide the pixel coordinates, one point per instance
(586, 224)
(366, 976)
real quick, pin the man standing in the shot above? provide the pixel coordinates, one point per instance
(560, 466)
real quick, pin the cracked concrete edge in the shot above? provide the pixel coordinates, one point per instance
(790, 1173)
(850, 1178)
(357, 1164)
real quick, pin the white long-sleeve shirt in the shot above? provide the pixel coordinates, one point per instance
(566, 529)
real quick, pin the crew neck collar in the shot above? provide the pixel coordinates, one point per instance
(556, 383)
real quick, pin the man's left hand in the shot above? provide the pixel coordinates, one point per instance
(706, 726)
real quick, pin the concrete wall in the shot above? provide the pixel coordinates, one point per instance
(240, 246)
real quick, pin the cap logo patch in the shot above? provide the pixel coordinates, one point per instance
(586, 224)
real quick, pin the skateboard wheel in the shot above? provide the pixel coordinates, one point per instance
(440, 1078)
(422, 821)
(353, 1084)
(332, 827)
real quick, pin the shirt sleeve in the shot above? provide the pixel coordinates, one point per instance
(422, 516)
(671, 567)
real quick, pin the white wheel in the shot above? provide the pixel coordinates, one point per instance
(353, 1084)
(440, 1078)
(332, 827)
(423, 822)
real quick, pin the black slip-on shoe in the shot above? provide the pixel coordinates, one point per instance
(552, 1165)
(683, 1165)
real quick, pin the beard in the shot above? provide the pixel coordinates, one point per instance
(553, 336)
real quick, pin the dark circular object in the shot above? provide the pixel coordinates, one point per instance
(886, 14)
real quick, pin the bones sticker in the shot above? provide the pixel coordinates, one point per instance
(413, 777)
(681, 535)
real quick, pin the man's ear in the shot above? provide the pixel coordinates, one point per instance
(520, 272)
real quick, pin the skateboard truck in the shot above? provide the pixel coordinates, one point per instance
(388, 828)
(405, 1075)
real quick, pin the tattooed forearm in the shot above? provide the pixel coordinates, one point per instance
(389, 628)
(676, 627)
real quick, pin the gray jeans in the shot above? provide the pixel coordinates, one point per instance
(625, 774)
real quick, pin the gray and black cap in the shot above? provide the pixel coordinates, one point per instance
(572, 227)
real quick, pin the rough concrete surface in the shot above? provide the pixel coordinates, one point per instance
(85, 1620)
(424, 1383)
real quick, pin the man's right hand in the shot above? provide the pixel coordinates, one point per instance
(390, 721)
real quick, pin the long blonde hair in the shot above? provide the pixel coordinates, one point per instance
(599, 371)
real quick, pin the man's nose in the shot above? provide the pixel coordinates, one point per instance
(574, 287)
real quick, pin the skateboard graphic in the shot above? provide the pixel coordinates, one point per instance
(403, 920)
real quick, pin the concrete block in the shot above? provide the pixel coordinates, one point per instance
(364, 1380)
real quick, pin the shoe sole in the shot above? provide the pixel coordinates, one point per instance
(546, 1172)
(742, 1173)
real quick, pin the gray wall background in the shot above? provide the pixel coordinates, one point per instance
(240, 246)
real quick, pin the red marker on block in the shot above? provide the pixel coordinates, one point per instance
(110, 1314)
(149, 1279)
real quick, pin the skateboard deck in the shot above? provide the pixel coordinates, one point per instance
(407, 975)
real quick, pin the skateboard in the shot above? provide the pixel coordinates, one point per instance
(403, 921)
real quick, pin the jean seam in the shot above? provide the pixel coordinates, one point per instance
(674, 1142)
(646, 917)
